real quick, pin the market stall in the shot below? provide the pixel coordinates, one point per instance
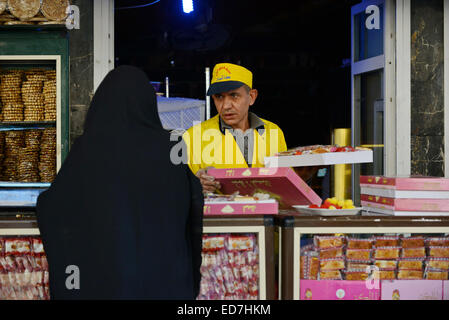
(366, 257)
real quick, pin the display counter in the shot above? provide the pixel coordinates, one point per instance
(298, 231)
(261, 257)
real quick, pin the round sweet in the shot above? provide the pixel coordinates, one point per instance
(55, 9)
(24, 9)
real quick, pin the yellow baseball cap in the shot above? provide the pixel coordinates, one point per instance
(228, 76)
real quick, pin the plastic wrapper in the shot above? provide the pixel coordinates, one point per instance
(437, 263)
(359, 275)
(410, 274)
(412, 242)
(330, 275)
(309, 267)
(384, 274)
(387, 253)
(332, 264)
(386, 264)
(357, 265)
(413, 252)
(17, 246)
(354, 243)
(432, 274)
(211, 243)
(411, 264)
(37, 247)
(331, 253)
(437, 242)
(326, 242)
(358, 254)
(438, 252)
(386, 241)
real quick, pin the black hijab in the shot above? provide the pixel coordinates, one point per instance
(119, 209)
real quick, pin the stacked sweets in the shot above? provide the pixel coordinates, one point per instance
(413, 196)
(230, 268)
(11, 96)
(378, 257)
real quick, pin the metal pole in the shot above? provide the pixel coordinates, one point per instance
(166, 87)
(207, 97)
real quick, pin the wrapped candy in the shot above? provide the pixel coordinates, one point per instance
(360, 275)
(356, 265)
(437, 242)
(386, 264)
(384, 274)
(413, 252)
(354, 243)
(332, 264)
(439, 252)
(325, 242)
(358, 254)
(213, 243)
(432, 274)
(438, 263)
(330, 275)
(410, 274)
(331, 253)
(309, 267)
(412, 242)
(386, 253)
(411, 264)
(386, 241)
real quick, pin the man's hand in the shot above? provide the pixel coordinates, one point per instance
(307, 173)
(208, 182)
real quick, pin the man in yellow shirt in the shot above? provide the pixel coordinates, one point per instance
(235, 137)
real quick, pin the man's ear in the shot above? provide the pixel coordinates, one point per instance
(253, 96)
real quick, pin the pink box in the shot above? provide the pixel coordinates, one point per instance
(412, 290)
(283, 184)
(236, 207)
(411, 183)
(405, 204)
(445, 290)
(337, 290)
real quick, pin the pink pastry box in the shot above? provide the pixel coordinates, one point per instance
(240, 207)
(282, 184)
(338, 290)
(411, 183)
(412, 289)
(405, 204)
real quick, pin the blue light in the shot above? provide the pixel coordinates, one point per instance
(187, 6)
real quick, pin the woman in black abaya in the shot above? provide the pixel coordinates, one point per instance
(119, 210)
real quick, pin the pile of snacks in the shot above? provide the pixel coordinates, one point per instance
(230, 267)
(23, 269)
(47, 163)
(334, 204)
(378, 257)
(29, 12)
(11, 97)
(28, 155)
(316, 149)
(28, 95)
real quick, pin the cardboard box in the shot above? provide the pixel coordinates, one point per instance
(338, 290)
(237, 207)
(445, 290)
(412, 290)
(282, 184)
(405, 204)
(411, 183)
(404, 194)
(320, 159)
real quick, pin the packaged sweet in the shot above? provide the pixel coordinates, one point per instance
(354, 243)
(412, 242)
(432, 274)
(38, 247)
(330, 275)
(332, 264)
(17, 246)
(411, 264)
(309, 267)
(439, 252)
(437, 242)
(240, 243)
(410, 274)
(357, 265)
(386, 253)
(413, 252)
(386, 264)
(213, 243)
(354, 275)
(438, 263)
(384, 274)
(386, 241)
(331, 253)
(358, 254)
(325, 242)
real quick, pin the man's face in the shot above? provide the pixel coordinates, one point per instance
(233, 105)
